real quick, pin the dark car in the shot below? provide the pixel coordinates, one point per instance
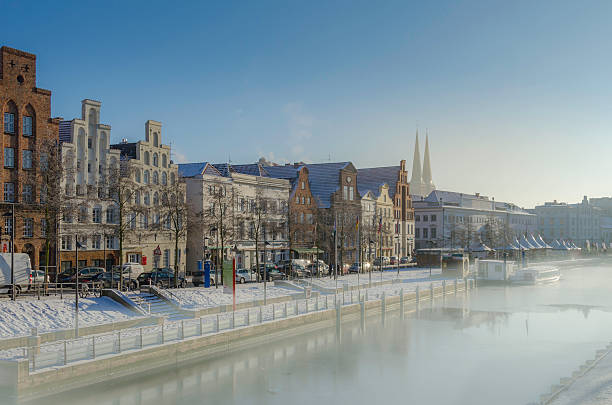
(163, 278)
(276, 274)
(65, 276)
(108, 279)
(404, 260)
(87, 274)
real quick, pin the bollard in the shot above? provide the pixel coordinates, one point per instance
(233, 319)
(201, 326)
(65, 354)
(455, 286)
(431, 291)
(119, 341)
(248, 317)
(285, 309)
(61, 291)
(273, 312)
(93, 346)
(162, 334)
(141, 338)
(297, 308)
(260, 315)
(417, 295)
(182, 329)
(383, 302)
(362, 308)
(317, 302)
(218, 327)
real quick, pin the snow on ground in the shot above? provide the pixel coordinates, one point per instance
(200, 298)
(351, 279)
(17, 318)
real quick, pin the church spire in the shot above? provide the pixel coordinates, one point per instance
(428, 185)
(416, 181)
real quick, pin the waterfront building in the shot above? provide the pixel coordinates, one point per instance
(580, 222)
(446, 219)
(28, 132)
(148, 164)
(86, 156)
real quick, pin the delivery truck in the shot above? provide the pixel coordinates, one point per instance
(22, 272)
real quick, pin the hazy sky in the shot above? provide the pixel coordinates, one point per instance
(515, 94)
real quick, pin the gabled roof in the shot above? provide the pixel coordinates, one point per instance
(253, 169)
(197, 169)
(223, 168)
(324, 180)
(373, 178)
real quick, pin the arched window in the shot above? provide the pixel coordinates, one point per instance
(137, 176)
(147, 198)
(137, 197)
(147, 158)
(164, 161)
(28, 127)
(155, 178)
(164, 178)
(155, 139)
(165, 198)
(156, 198)
(146, 177)
(10, 118)
(155, 160)
(172, 178)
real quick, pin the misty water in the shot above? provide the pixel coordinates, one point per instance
(497, 344)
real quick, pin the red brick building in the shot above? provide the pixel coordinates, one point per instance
(26, 122)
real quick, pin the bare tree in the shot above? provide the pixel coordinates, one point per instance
(175, 212)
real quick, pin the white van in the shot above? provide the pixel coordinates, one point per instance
(131, 271)
(22, 272)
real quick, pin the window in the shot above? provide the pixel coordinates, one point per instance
(155, 198)
(110, 242)
(66, 243)
(147, 199)
(417, 218)
(43, 228)
(425, 233)
(164, 178)
(308, 200)
(110, 216)
(146, 177)
(155, 178)
(96, 242)
(27, 126)
(433, 233)
(26, 159)
(97, 215)
(301, 217)
(425, 219)
(88, 167)
(8, 225)
(26, 194)
(433, 218)
(28, 227)
(144, 218)
(132, 220)
(351, 193)
(345, 193)
(9, 123)
(9, 157)
(297, 199)
(303, 200)
(164, 161)
(137, 197)
(146, 158)
(89, 143)
(9, 192)
(155, 160)
(303, 185)
(137, 176)
(83, 214)
(167, 258)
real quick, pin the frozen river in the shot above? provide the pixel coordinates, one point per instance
(496, 345)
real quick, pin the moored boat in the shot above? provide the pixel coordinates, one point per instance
(535, 275)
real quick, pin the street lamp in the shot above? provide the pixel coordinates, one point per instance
(12, 216)
(214, 229)
(397, 238)
(76, 289)
(370, 243)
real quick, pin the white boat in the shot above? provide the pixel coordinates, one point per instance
(535, 275)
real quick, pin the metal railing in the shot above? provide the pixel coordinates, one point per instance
(62, 353)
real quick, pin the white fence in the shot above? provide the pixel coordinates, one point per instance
(87, 348)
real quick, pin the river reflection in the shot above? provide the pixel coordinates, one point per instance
(497, 345)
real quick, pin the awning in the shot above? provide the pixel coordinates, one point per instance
(304, 251)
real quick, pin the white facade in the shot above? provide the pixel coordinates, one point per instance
(86, 154)
(456, 220)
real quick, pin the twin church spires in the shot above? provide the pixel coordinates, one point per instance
(421, 183)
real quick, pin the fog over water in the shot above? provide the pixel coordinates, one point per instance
(502, 345)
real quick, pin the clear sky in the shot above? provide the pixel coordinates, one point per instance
(515, 94)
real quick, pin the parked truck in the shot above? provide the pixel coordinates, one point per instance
(22, 272)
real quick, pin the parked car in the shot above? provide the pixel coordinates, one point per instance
(385, 261)
(393, 260)
(38, 277)
(359, 267)
(405, 260)
(311, 269)
(300, 271)
(269, 267)
(161, 278)
(244, 276)
(108, 279)
(86, 274)
(276, 274)
(322, 266)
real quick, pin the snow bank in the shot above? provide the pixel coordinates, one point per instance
(199, 298)
(17, 318)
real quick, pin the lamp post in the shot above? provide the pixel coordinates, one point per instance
(214, 229)
(77, 246)
(397, 238)
(12, 216)
(370, 243)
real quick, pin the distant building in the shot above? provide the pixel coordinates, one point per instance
(447, 219)
(579, 222)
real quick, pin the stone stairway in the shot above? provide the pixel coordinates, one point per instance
(158, 306)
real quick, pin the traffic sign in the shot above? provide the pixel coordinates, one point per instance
(157, 251)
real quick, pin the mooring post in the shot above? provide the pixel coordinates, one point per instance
(431, 291)
(141, 338)
(417, 295)
(217, 324)
(443, 287)
(455, 286)
(402, 303)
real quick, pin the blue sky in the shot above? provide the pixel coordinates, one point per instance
(515, 95)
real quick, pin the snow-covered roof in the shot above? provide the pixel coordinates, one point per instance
(371, 179)
(325, 181)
